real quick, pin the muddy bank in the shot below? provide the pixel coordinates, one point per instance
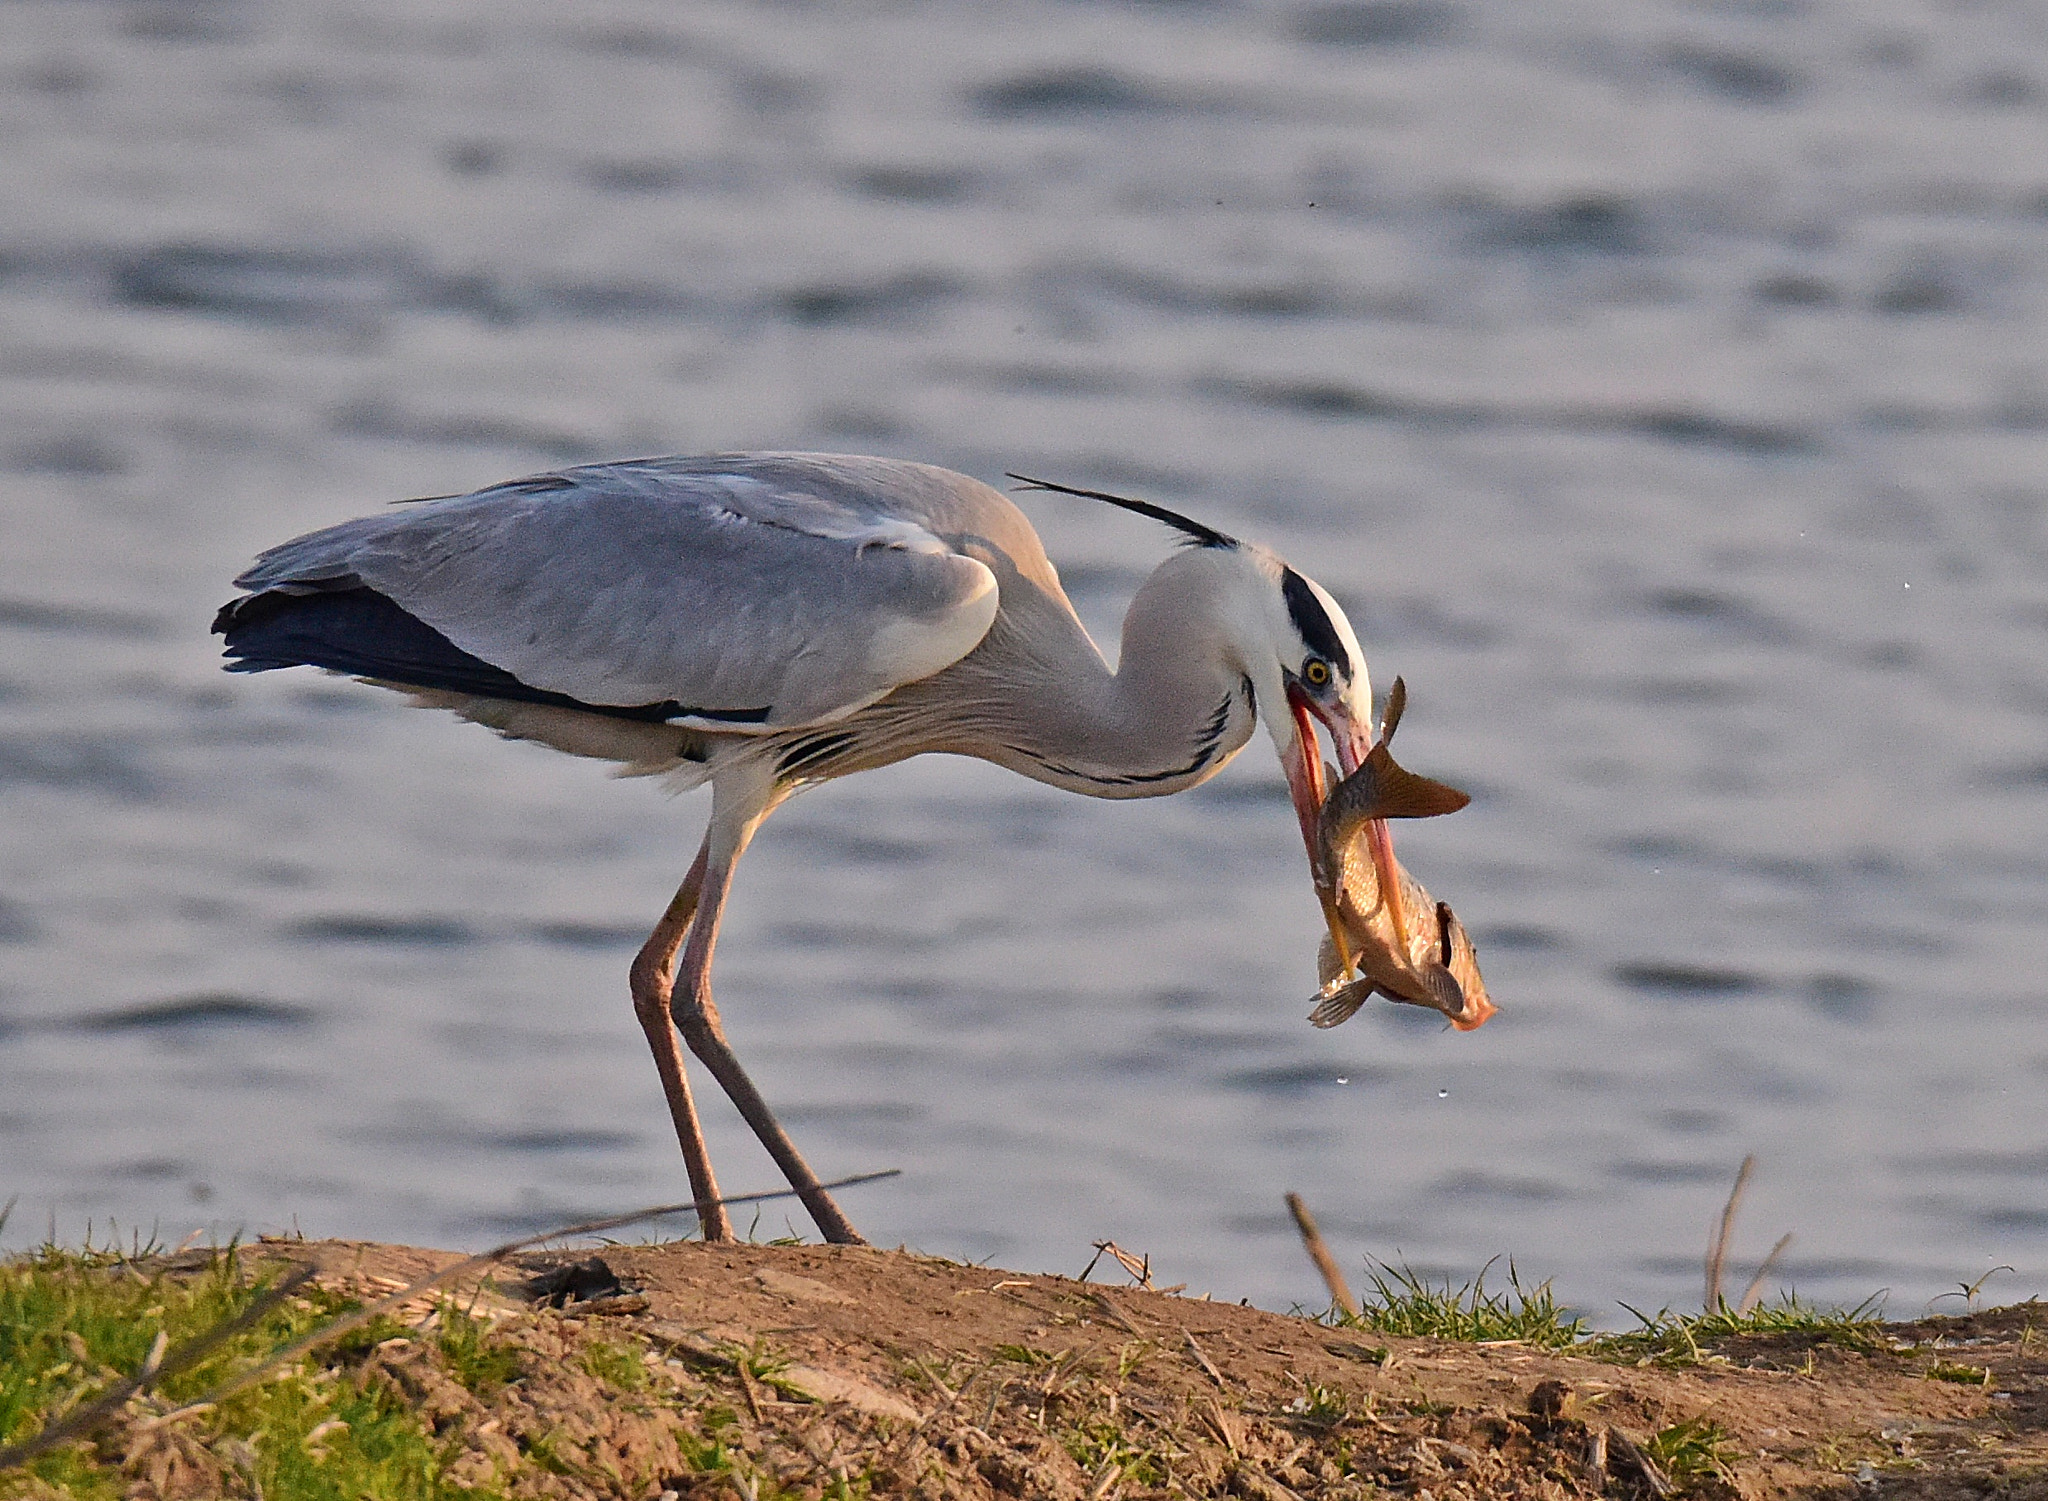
(762, 1371)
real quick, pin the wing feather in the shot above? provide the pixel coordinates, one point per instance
(734, 583)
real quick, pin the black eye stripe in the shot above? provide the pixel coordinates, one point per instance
(1313, 621)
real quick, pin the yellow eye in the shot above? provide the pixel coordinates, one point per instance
(1317, 672)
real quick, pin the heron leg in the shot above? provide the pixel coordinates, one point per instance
(697, 1018)
(653, 981)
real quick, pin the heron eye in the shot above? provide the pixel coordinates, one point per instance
(1317, 672)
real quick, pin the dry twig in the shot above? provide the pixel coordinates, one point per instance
(1116, 1315)
(1717, 1249)
(1594, 1464)
(1319, 1253)
(1624, 1449)
(1140, 1268)
(1202, 1357)
(1753, 1294)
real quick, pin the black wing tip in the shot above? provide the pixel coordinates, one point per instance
(368, 635)
(249, 609)
(1197, 533)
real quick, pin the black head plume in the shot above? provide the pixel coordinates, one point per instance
(1197, 534)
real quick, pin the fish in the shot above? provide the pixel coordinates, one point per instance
(1401, 942)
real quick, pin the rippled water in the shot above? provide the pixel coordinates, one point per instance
(1661, 386)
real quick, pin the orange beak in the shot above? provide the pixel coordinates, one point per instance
(1305, 785)
(1305, 774)
(1353, 744)
(1380, 840)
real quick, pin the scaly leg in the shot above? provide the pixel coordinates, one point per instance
(653, 980)
(697, 1018)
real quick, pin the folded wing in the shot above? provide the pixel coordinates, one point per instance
(748, 593)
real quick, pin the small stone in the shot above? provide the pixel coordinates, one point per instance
(803, 1289)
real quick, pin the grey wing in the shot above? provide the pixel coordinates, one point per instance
(766, 594)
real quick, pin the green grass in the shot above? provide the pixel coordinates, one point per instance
(357, 1343)
(73, 1322)
(1962, 1375)
(1024, 1355)
(615, 1365)
(1403, 1302)
(715, 1454)
(1676, 1339)
(1693, 1450)
(1101, 1444)
(1319, 1406)
(480, 1364)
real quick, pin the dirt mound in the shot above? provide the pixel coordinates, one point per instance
(762, 1371)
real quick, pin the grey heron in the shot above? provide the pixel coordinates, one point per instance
(765, 622)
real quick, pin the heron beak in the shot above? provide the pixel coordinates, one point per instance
(1352, 749)
(1305, 772)
(1305, 785)
(1353, 741)
(1380, 840)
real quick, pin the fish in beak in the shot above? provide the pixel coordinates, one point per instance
(1403, 944)
(1308, 777)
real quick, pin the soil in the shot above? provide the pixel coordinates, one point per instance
(753, 1371)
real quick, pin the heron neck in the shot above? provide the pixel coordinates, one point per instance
(1174, 711)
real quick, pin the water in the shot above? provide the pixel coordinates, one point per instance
(1660, 386)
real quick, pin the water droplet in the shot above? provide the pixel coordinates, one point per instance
(1343, 1078)
(1443, 1094)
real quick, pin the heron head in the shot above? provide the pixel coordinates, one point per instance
(1314, 674)
(1288, 638)
(1318, 672)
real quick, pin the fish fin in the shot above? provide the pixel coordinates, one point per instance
(1390, 717)
(1341, 1005)
(1403, 794)
(1445, 994)
(1383, 788)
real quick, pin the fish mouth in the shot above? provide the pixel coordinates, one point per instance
(1474, 1016)
(1471, 1014)
(1457, 948)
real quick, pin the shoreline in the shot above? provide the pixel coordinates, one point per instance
(794, 1370)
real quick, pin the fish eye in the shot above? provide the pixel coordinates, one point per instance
(1316, 672)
